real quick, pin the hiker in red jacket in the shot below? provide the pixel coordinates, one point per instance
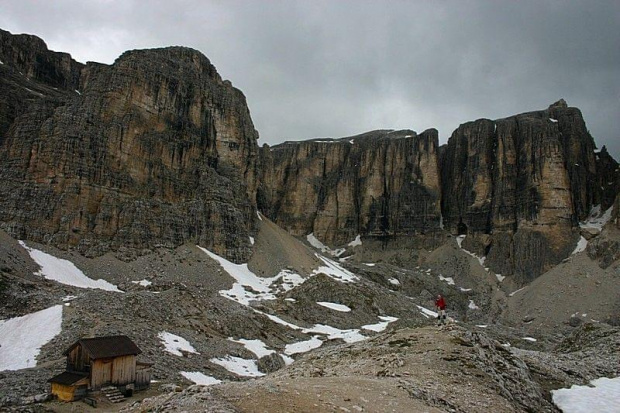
(440, 303)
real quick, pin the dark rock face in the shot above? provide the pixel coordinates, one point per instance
(158, 150)
(381, 183)
(524, 181)
(270, 363)
(153, 150)
(608, 179)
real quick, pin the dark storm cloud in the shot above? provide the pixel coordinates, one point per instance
(319, 68)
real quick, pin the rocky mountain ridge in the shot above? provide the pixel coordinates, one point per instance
(157, 150)
(146, 175)
(520, 185)
(153, 150)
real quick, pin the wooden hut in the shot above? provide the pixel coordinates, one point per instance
(69, 386)
(101, 361)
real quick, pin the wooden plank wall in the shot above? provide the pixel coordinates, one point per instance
(78, 359)
(143, 378)
(118, 371)
(100, 373)
(124, 370)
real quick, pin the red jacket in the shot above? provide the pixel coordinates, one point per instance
(440, 303)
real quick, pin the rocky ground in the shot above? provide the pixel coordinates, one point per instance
(493, 357)
(448, 369)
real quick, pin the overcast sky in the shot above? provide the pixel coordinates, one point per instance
(338, 68)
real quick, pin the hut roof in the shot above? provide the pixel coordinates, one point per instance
(107, 347)
(67, 378)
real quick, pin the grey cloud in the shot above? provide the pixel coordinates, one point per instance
(336, 68)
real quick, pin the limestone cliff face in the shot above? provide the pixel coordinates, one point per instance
(520, 185)
(157, 149)
(608, 179)
(381, 183)
(153, 150)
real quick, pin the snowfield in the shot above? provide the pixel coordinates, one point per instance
(175, 344)
(604, 396)
(596, 219)
(64, 271)
(334, 306)
(200, 378)
(380, 326)
(21, 338)
(239, 366)
(257, 347)
(356, 242)
(582, 244)
(250, 287)
(303, 346)
(314, 241)
(426, 312)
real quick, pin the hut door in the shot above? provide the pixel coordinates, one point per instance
(107, 372)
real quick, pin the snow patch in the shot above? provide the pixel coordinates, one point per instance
(532, 339)
(333, 333)
(464, 289)
(251, 240)
(78, 92)
(448, 280)
(604, 396)
(596, 219)
(64, 271)
(249, 286)
(581, 246)
(21, 338)
(144, 283)
(553, 120)
(334, 270)
(303, 346)
(287, 360)
(394, 281)
(33, 92)
(200, 378)
(333, 306)
(472, 305)
(257, 347)
(378, 327)
(278, 320)
(258, 215)
(175, 344)
(239, 366)
(314, 241)
(481, 260)
(514, 292)
(500, 277)
(426, 312)
(356, 242)
(369, 264)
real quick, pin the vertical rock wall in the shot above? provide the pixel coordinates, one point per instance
(153, 150)
(381, 183)
(158, 150)
(519, 186)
